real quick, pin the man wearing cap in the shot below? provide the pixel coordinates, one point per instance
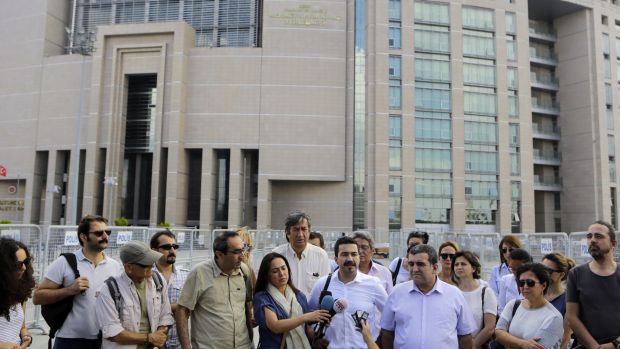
(131, 309)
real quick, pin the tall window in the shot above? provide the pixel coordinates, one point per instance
(395, 205)
(478, 18)
(395, 142)
(394, 35)
(433, 13)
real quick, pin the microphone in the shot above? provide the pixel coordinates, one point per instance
(334, 307)
(340, 305)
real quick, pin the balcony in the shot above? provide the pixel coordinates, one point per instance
(547, 183)
(545, 107)
(542, 32)
(549, 83)
(551, 133)
(551, 158)
(543, 58)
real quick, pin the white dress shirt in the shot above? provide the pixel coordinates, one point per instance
(383, 274)
(305, 271)
(508, 291)
(363, 293)
(431, 320)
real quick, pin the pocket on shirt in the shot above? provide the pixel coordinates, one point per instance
(157, 304)
(128, 311)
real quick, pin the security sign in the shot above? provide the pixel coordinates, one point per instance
(11, 189)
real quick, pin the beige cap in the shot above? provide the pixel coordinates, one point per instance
(138, 252)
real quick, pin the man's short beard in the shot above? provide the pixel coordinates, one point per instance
(168, 261)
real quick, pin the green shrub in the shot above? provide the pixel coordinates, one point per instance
(164, 224)
(5, 221)
(121, 222)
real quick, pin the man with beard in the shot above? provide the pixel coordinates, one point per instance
(308, 262)
(80, 329)
(165, 243)
(426, 312)
(593, 292)
(363, 294)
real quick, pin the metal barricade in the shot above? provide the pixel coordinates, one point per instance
(185, 238)
(540, 244)
(31, 236)
(578, 247)
(265, 240)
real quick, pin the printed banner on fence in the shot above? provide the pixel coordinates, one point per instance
(546, 246)
(181, 237)
(11, 233)
(584, 248)
(71, 238)
(123, 237)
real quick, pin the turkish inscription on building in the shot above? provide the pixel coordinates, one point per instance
(305, 15)
(11, 205)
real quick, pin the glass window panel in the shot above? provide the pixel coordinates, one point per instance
(432, 41)
(478, 46)
(479, 18)
(480, 132)
(394, 35)
(395, 65)
(611, 145)
(513, 132)
(515, 164)
(395, 157)
(429, 69)
(608, 94)
(618, 47)
(479, 103)
(432, 12)
(511, 23)
(511, 49)
(513, 82)
(605, 43)
(395, 186)
(395, 94)
(610, 119)
(607, 67)
(395, 127)
(394, 9)
(430, 98)
(478, 74)
(515, 190)
(435, 129)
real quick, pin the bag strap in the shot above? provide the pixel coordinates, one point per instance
(115, 293)
(395, 272)
(483, 291)
(249, 290)
(329, 279)
(72, 260)
(514, 311)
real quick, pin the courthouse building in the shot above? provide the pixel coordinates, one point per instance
(477, 115)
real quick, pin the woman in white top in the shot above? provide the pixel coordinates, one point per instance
(466, 270)
(16, 284)
(536, 323)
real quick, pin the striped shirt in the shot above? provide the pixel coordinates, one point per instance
(175, 285)
(9, 330)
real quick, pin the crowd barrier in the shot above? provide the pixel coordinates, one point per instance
(45, 245)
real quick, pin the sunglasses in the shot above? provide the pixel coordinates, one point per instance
(25, 262)
(504, 250)
(528, 282)
(445, 256)
(246, 248)
(551, 271)
(168, 247)
(99, 233)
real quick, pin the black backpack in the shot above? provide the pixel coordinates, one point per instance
(55, 314)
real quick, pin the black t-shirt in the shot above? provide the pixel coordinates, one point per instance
(599, 300)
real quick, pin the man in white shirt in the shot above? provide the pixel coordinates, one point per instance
(426, 312)
(308, 262)
(363, 293)
(80, 329)
(367, 265)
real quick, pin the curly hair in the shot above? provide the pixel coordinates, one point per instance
(14, 290)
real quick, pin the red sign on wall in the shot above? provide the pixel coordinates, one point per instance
(2, 171)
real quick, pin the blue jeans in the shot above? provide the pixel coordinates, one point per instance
(74, 343)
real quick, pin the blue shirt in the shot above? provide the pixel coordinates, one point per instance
(496, 275)
(559, 303)
(262, 300)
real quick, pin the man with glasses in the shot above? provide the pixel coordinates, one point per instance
(165, 243)
(217, 294)
(593, 292)
(367, 265)
(80, 329)
(132, 309)
(426, 312)
(398, 267)
(308, 262)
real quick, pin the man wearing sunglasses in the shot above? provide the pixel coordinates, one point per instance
(80, 329)
(165, 243)
(132, 309)
(593, 292)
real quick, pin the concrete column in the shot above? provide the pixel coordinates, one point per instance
(50, 194)
(263, 219)
(235, 188)
(207, 185)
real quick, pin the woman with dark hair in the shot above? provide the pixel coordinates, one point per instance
(506, 245)
(16, 285)
(558, 266)
(535, 323)
(280, 309)
(466, 271)
(508, 288)
(446, 254)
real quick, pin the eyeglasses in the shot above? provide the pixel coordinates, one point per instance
(246, 248)
(142, 265)
(25, 262)
(551, 271)
(168, 247)
(99, 233)
(528, 282)
(504, 250)
(364, 247)
(445, 256)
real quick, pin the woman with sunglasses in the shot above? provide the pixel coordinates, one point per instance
(16, 285)
(558, 266)
(447, 250)
(536, 323)
(466, 271)
(280, 309)
(506, 245)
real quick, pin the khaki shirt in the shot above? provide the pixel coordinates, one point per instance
(217, 305)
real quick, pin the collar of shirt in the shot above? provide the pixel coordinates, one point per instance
(437, 287)
(290, 251)
(358, 278)
(79, 254)
(218, 272)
